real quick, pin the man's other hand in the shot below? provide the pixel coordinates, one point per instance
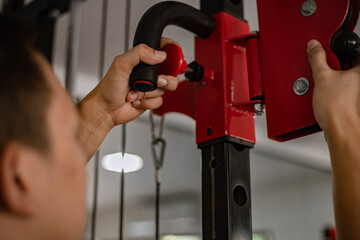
(336, 97)
(336, 103)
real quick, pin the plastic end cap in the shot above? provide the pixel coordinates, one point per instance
(143, 86)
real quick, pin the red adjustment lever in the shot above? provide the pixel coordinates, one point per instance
(174, 63)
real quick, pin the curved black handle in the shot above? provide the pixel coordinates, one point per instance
(346, 46)
(150, 29)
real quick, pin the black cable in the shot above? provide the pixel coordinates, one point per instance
(94, 208)
(121, 207)
(73, 46)
(97, 154)
(127, 25)
(157, 210)
(103, 38)
(122, 178)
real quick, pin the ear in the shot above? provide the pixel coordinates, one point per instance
(17, 179)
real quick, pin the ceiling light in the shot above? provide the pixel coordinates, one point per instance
(115, 162)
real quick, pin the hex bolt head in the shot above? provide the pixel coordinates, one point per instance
(308, 8)
(259, 109)
(301, 86)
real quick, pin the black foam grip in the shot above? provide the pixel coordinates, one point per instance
(151, 27)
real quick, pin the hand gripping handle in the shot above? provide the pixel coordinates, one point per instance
(150, 29)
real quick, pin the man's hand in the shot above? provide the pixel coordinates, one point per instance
(112, 102)
(336, 103)
(336, 99)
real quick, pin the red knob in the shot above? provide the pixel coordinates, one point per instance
(174, 63)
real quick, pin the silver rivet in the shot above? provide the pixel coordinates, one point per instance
(308, 8)
(259, 109)
(301, 86)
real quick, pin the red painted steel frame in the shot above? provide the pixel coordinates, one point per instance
(221, 103)
(284, 33)
(238, 66)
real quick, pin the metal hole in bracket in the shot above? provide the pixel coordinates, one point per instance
(240, 196)
(209, 132)
(213, 163)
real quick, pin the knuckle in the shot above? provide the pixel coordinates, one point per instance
(323, 73)
(176, 84)
(117, 59)
(143, 49)
(122, 64)
(161, 91)
(160, 102)
(173, 86)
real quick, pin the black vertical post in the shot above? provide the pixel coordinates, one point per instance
(226, 195)
(45, 41)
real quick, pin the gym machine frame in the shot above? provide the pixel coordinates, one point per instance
(41, 15)
(240, 72)
(240, 69)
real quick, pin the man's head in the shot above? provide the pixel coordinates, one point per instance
(42, 174)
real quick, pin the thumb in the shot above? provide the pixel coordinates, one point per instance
(145, 54)
(317, 57)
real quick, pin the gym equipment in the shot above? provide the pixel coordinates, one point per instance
(232, 82)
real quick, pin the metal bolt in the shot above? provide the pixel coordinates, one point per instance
(301, 86)
(259, 109)
(308, 8)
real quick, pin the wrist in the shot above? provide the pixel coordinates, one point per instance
(92, 110)
(95, 123)
(342, 133)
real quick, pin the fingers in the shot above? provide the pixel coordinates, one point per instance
(168, 82)
(166, 41)
(139, 96)
(148, 103)
(317, 57)
(164, 83)
(140, 53)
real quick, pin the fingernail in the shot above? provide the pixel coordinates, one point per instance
(136, 103)
(312, 44)
(160, 54)
(133, 97)
(162, 82)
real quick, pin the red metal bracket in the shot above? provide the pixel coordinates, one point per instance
(284, 34)
(222, 103)
(242, 68)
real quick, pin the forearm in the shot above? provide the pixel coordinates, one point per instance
(345, 159)
(95, 123)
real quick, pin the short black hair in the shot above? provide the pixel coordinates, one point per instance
(24, 92)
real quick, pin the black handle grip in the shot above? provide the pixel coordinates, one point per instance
(150, 29)
(346, 46)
